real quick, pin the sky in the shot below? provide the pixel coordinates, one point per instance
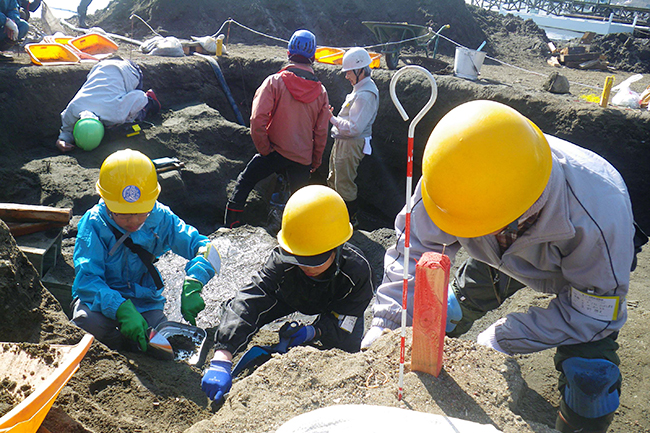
(68, 8)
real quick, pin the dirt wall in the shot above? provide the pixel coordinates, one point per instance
(34, 97)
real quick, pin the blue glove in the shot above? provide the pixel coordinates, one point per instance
(304, 334)
(217, 379)
(293, 334)
(453, 310)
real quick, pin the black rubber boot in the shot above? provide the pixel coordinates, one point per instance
(233, 216)
(568, 421)
(353, 208)
(153, 105)
(81, 12)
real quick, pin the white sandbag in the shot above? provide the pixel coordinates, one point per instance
(159, 46)
(625, 96)
(208, 43)
(378, 419)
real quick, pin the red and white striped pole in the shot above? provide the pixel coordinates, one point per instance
(409, 192)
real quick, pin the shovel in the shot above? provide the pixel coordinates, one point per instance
(158, 346)
(261, 354)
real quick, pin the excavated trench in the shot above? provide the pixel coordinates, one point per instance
(198, 126)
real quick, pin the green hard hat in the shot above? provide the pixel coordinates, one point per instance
(88, 133)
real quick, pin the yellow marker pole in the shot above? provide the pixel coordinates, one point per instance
(219, 46)
(604, 98)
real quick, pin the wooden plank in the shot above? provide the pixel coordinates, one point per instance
(430, 312)
(554, 62)
(594, 64)
(578, 58)
(22, 229)
(26, 212)
(573, 50)
(587, 37)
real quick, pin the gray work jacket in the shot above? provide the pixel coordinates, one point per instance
(358, 111)
(581, 245)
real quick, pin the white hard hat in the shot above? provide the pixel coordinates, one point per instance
(356, 58)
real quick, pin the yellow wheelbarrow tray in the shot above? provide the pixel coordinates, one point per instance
(46, 375)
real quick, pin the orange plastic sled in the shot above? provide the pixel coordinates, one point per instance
(47, 379)
(94, 44)
(51, 54)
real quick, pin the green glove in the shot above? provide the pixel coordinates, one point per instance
(132, 324)
(191, 301)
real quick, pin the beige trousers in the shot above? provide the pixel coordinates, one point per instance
(346, 155)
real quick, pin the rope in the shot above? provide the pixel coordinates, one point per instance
(520, 68)
(230, 20)
(146, 24)
(428, 35)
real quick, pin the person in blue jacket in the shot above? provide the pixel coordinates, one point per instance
(117, 291)
(12, 27)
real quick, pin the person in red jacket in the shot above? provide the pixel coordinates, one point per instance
(289, 123)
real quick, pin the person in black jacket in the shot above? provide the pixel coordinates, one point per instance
(313, 271)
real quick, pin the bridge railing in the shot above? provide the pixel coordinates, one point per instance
(594, 9)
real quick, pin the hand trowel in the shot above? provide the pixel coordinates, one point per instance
(158, 346)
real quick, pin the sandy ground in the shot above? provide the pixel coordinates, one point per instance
(131, 392)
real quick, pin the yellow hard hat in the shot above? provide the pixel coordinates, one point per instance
(314, 222)
(128, 182)
(484, 165)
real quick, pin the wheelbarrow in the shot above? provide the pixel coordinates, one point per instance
(32, 377)
(395, 36)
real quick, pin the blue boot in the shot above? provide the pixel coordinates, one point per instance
(454, 312)
(590, 396)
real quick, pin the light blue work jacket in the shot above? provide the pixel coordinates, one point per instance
(104, 281)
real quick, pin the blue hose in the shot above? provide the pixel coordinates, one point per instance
(224, 86)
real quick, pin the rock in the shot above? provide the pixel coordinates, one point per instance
(556, 83)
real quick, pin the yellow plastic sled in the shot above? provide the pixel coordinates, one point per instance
(334, 56)
(376, 60)
(46, 375)
(329, 55)
(51, 54)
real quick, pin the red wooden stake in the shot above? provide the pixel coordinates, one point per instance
(430, 312)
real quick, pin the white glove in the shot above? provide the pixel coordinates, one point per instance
(11, 29)
(210, 252)
(488, 337)
(373, 333)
